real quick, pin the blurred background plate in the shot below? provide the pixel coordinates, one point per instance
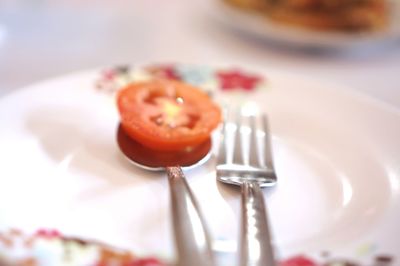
(261, 27)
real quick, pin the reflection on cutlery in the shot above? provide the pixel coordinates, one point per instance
(245, 159)
(192, 239)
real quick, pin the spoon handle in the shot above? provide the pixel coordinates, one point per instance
(191, 236)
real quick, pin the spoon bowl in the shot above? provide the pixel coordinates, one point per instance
(153, 160)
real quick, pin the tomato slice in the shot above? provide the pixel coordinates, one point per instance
(167, 115)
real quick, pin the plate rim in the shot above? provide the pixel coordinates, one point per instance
(324, 83)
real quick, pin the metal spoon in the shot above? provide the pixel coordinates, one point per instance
(192, 239)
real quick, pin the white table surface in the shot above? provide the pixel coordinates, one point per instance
(40, 39)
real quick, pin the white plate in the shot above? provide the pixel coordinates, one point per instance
(337, 156)
(2, 34)
(269, 30)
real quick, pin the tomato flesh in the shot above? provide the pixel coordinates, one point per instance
(167, 115)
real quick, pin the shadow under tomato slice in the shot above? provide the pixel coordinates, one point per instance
(155, 158)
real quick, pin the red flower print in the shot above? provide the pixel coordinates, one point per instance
(163, 71)
(147, 262)
(47, 233)
(235, 79)
(108, 74)
(298, 261)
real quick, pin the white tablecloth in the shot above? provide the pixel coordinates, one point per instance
(45, 38)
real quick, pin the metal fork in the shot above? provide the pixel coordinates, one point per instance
(251, 167)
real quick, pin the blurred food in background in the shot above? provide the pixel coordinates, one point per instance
(329, 15)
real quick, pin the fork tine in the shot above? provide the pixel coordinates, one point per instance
(223, 145)
(253, 149)
(222, 150)
(267, 143)
(238, 157)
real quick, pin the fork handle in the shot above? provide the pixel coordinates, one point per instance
(192, 239)
(255, 245)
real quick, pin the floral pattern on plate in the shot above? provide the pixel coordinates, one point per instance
(50, 247)
(226, 79)
(327, 260)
